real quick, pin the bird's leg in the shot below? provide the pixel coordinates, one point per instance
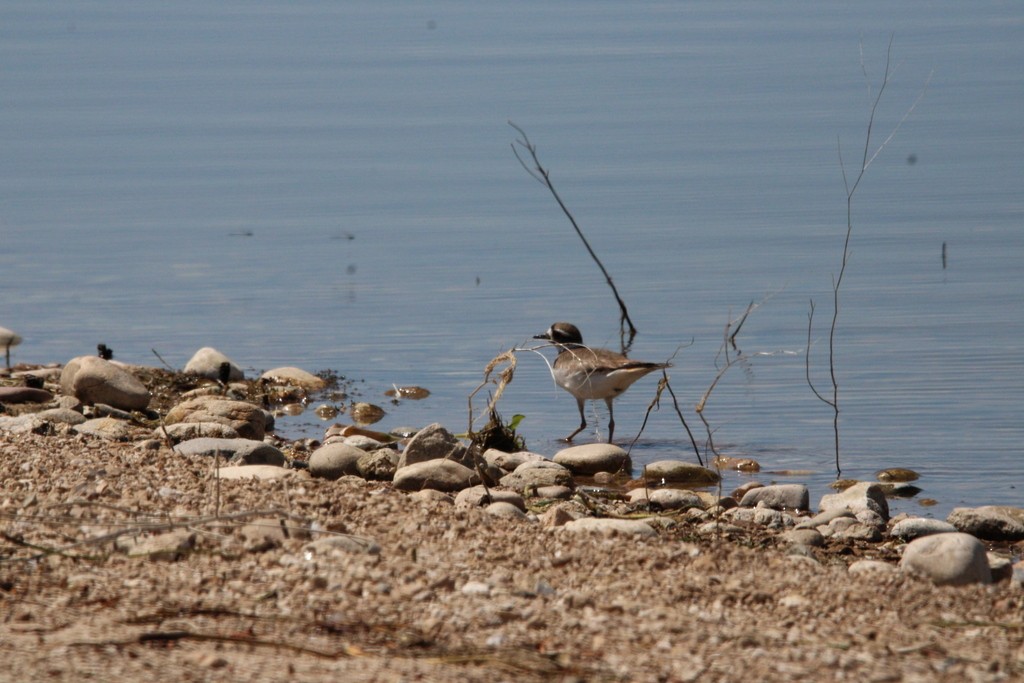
(583, 422)
(611, 419)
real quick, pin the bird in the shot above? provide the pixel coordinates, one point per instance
(591, 374)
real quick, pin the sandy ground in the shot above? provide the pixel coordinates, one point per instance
(120, 563)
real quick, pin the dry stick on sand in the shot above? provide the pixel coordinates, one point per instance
(868, 157)
(542, 175)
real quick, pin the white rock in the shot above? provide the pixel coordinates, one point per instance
(778, 497)
(915, 527)
(440, 474)
(296, 377)
(626, 527)
(335, 460)
(953, 559)
(864, 495)
(93, 380)
(666, 499)
(206, 362)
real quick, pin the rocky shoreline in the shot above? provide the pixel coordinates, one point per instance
(153, 524)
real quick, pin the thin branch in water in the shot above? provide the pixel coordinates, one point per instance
(543, 176)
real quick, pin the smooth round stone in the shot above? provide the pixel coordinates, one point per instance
(24, 395)
(505, 510)
(295, 377)
(91, 380)
(680, 472)
(335, 460)
(554, 492)
(593, 458)
(808, 537)
(206, 363)
(954, 559)
(61, 416)
(184, 431)
(441, 474)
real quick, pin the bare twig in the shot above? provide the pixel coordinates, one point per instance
(867, 157)
(543, 176)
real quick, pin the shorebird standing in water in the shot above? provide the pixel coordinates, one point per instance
(590, 374)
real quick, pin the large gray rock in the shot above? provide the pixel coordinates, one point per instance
(863, 496)
(206, 362)
(991, 522)
(92, 380)
(237, 451)
(948, 559)
(431, 443)
(679, 472)
(440, 474)
(335, 460)
(245, 418)
(778, 497)
(510, 461)
(592, 458)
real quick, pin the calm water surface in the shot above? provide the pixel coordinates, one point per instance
(331, 185)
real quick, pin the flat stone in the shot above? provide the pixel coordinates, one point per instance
(237, 451)
(342, 544)
(107, 428)
(245, 418)
(335, 460)
(666, 499)
(868, 567)
(778, 497)
(24, 395)
(441, 474)
(183, 431)
(679, 472)
(624, 527)
(953, 559)
(295, 377)
(479, 496)
(990, 522)
(825, 518)
(593, 458)
(61, 416)
(91, 380)
(916, 527)
(169, 546)
(510, 461)
(206, 363)
(553, 492)
(23, 424)
(537, 474)
(863, 495)
(260, 472)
